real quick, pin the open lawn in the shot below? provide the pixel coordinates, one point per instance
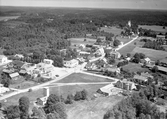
(154, 28)
(79, 77)
(152, 54)
(78, 41)
(114, 30)
(133, 67)
(93, 109)
(22, 84)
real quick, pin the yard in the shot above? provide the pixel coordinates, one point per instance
(152, 54)
(114, 30)
(133, 67)
(79, 77)
(154, 28)
(92, 109)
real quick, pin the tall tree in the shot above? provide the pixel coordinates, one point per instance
(13, 112)
(24, 107)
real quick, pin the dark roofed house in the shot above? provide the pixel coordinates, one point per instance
(163, 62)
(162, 69)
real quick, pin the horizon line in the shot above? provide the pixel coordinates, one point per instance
(86, 7)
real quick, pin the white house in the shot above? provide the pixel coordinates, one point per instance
(100, 51)
(3, 59)
(71, 63)
(48, 61)
(147, 60)
(19, 56)
(109, 90)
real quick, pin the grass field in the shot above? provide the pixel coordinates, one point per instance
(152, 54)
(71, 89)
(31, 95)
(154, 28)
(5, 18)
(93, 109)
(62, 90)
(79, 77)
(114, 30)
(132, 67)
(78, 41)
(129, 48)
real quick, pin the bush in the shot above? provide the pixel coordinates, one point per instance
(160, 102)
(30, 90)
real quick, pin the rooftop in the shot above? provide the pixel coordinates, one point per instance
(160, 68)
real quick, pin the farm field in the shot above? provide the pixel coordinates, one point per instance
(133, 67)
(78, 41)
(114, 30)
(79, 77)
(5, 18)
(154, 28)
(151, 53)
(93, 109)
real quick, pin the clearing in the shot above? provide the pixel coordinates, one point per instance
(80, 77)
(133, 67)
(151, 53)
(154, 28)
(92, 109)
(78, 41)
(114, 30)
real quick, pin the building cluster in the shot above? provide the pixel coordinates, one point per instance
(44, 69)
(117, 88)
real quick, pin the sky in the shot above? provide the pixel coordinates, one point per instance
(129, 4)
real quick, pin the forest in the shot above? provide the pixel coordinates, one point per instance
(40, 29)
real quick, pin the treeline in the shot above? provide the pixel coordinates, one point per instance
(157, 45)
(137, 106)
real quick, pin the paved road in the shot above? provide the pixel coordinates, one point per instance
(126, 43)
(79, 83)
